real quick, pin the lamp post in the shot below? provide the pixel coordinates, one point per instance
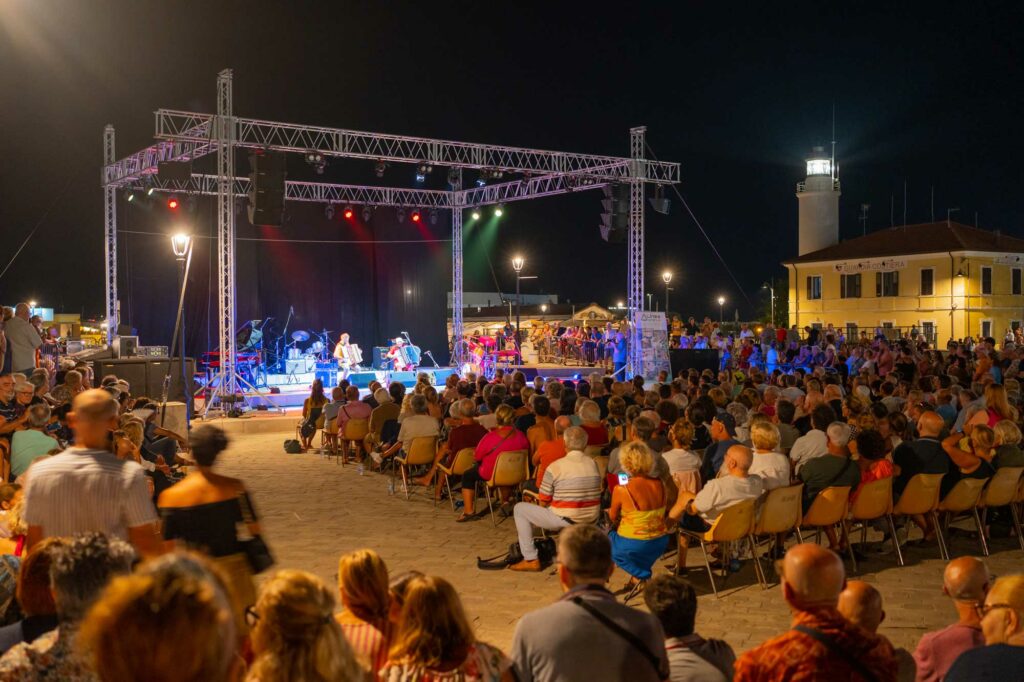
(517, 265)
(666, 277)
(771, 290)
(721, 311)
(181, 244)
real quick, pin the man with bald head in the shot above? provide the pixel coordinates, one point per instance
(87, 488)
(967, 582)
(821, 643)
(1002, 622)
(861, 604)
(923, 455)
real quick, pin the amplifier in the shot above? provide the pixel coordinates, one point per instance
(299, 365)
(152, 351)
(441, 375)
(407, 378)
(379, 357)
(327, 373)
(362, 379)
(125, 346)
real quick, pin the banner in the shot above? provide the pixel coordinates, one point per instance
(886, 265)
(653, 330)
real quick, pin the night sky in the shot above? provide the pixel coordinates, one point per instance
(928, 94)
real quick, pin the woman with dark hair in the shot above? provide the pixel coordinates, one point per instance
(312, 410)
(202, 512)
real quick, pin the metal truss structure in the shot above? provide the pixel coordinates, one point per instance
(187, 136)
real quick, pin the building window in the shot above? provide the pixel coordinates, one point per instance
(814, 287)
(928, 329)
(849, 286)
(927, 282)
(887, 284)
(851, 332)
(986, 280)
(986, 327)
(1015, 287)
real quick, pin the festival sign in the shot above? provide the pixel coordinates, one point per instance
(653, 329)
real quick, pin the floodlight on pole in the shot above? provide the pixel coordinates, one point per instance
(721, 310)
(179, 243)
(666, 277)
(517, 264)
(499, 210)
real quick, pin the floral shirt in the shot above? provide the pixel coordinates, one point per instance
(50, 657)
(484, 663)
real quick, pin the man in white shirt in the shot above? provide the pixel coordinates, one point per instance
(723, 492)
(815, 443)
(22, 340)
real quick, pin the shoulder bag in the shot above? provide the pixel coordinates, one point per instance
(625, 634)
(835, 648)
(254, 548)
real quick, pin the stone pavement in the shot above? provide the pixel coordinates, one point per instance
(314, 510)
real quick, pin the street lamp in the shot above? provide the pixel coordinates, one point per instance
(771, 289)
(517, 264)
(721, 309)
(666, 277)
(181, 245)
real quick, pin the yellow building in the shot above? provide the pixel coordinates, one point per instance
(945, 279)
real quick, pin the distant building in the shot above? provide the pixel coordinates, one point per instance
(487, 299)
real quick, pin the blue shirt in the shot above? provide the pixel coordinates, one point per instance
(620, 349)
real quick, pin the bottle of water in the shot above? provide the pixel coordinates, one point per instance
(359, 468)
(391, 486)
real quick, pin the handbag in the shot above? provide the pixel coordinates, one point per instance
(255, 549)
(292, 446)
(546, 551)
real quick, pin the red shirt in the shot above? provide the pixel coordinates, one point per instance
(465, 436)
(495, 443)
(597, 434)
(548, 452)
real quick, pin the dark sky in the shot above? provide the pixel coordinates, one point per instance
(925, 94)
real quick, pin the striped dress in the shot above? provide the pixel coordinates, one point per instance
(369, 639)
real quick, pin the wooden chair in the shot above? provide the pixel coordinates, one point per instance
(962, 499)
(1002, 492)
(421, 452)
(780, 512)
(509, 472)
(463, 460)
(829, 509)
(874, 501)
(734, 523)
(354, 433)
(920, 497)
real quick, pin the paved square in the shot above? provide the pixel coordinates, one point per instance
(314, 510)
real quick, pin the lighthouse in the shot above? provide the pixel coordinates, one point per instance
(818, 197)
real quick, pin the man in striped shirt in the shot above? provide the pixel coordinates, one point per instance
(87, 488)
(570, 493)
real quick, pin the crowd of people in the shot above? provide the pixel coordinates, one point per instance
(129, 556)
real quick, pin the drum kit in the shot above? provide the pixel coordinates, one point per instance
(485, 356)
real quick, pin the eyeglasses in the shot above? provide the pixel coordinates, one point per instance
(251, 616)
(982, 610)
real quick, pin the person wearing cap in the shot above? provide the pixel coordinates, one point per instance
(723, 436)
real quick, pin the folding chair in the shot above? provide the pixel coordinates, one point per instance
(421, 452)
(734, 523)
(1002, 492)
(920, 497)
(962, 499)
(463, 460)
(353, 434)
(874, 502)
(828, 510)
(509, 471)
(780, 513)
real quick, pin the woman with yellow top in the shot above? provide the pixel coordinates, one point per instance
(638, 508)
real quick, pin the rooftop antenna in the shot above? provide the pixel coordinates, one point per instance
(949, 212)
(864, 217)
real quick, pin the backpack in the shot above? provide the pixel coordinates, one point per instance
(292, 446)
(546, 551)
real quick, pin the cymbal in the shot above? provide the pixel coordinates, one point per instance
(300, 335)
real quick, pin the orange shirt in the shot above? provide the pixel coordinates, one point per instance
(548, 451)
(543, 430)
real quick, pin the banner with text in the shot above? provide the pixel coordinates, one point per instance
(654, 344)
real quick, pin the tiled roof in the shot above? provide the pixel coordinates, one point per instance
(912, 239)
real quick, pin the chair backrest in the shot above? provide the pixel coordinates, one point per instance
(421, 450)
(964, 496)
(510, 468)
(1002, 488)
(356, 429)
(829, 506)
(921, 495)
(1020, 492)
(781, 510)
(593, 450)
(734, 523)
(463, 461)
(873, 501)
(602, 465)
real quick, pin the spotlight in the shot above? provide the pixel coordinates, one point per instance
(367, 214)
(422, 171)
(131, 197)
(172, 203)
(400, 214)
(316, 159)
(499, 210)
(380, 168)
(476, 215)
(420, 177)
(433, 216)
(480, 181)
(329, 211)
(149, 192)
(454, 179)
(416, 217)
(348, 213)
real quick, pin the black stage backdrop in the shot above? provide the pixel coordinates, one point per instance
(387, 276)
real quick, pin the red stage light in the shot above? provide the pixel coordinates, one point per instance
(172, 203)
(348, 214)
(416, 216)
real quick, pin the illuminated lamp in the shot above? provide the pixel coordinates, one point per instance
(348, 213)
(172, 203)
(416, 217)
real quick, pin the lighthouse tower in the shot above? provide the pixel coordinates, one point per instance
(819, 203)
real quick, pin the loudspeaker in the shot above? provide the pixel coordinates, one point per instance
(299, 365)
(146, 376)
(327, 373)
(693, 358)
(407, 378)
(379, 357)
(176, 171)
(441, 375)
(362, 379)
(125, 346)
(267, 176)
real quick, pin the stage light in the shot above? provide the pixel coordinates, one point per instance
(172, 203)
(400, 214)
(149, 192)
(348, 213)
(380, 168)
(416, 217)
(454, 178)
(480, 181)
(367, 214)
(329, 211)
(316, 160)
(499, 210)
(421, 177)
(433, 216)
(131, 197)
(476, 215)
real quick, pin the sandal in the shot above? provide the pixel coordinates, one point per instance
(466, 517)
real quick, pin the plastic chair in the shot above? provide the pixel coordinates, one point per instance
(329, 437)
(509, 471)
(1002, 492)
(829, 509)
(874, 501)
(920, 497)
(780, 513)
(354, 433)
(734, 523)
(463, 460)
(963, 498)
(421, 452)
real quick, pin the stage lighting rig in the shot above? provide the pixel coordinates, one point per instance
(130, 197)
(317, 160)
(367, 213)
(416, 217)
(400, 214)
(499, 210)
(348, 212)
(329, 211)
(454, 178)
(433, 216)
(173, 203)
(422, 171)
(476, 215)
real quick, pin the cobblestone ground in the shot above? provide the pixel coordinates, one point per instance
(314, 510)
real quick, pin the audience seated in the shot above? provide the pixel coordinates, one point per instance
(1002, 622)
(834, 468)
(548, 452)
(418, 424)
(773, 468)
(32, 442)
(34, 597)
(814, 443)
(923, 455)
(723, 437)
(503, 438)
(861, 604)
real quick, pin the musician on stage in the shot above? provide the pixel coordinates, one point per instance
(348, 355)
(396, 356)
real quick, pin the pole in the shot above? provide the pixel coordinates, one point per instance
(518, 303)
(771, 290)
(721, 315)
(185, 388)
(666, 300)
(174, 339)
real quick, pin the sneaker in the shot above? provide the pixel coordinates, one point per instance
(528, 565)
